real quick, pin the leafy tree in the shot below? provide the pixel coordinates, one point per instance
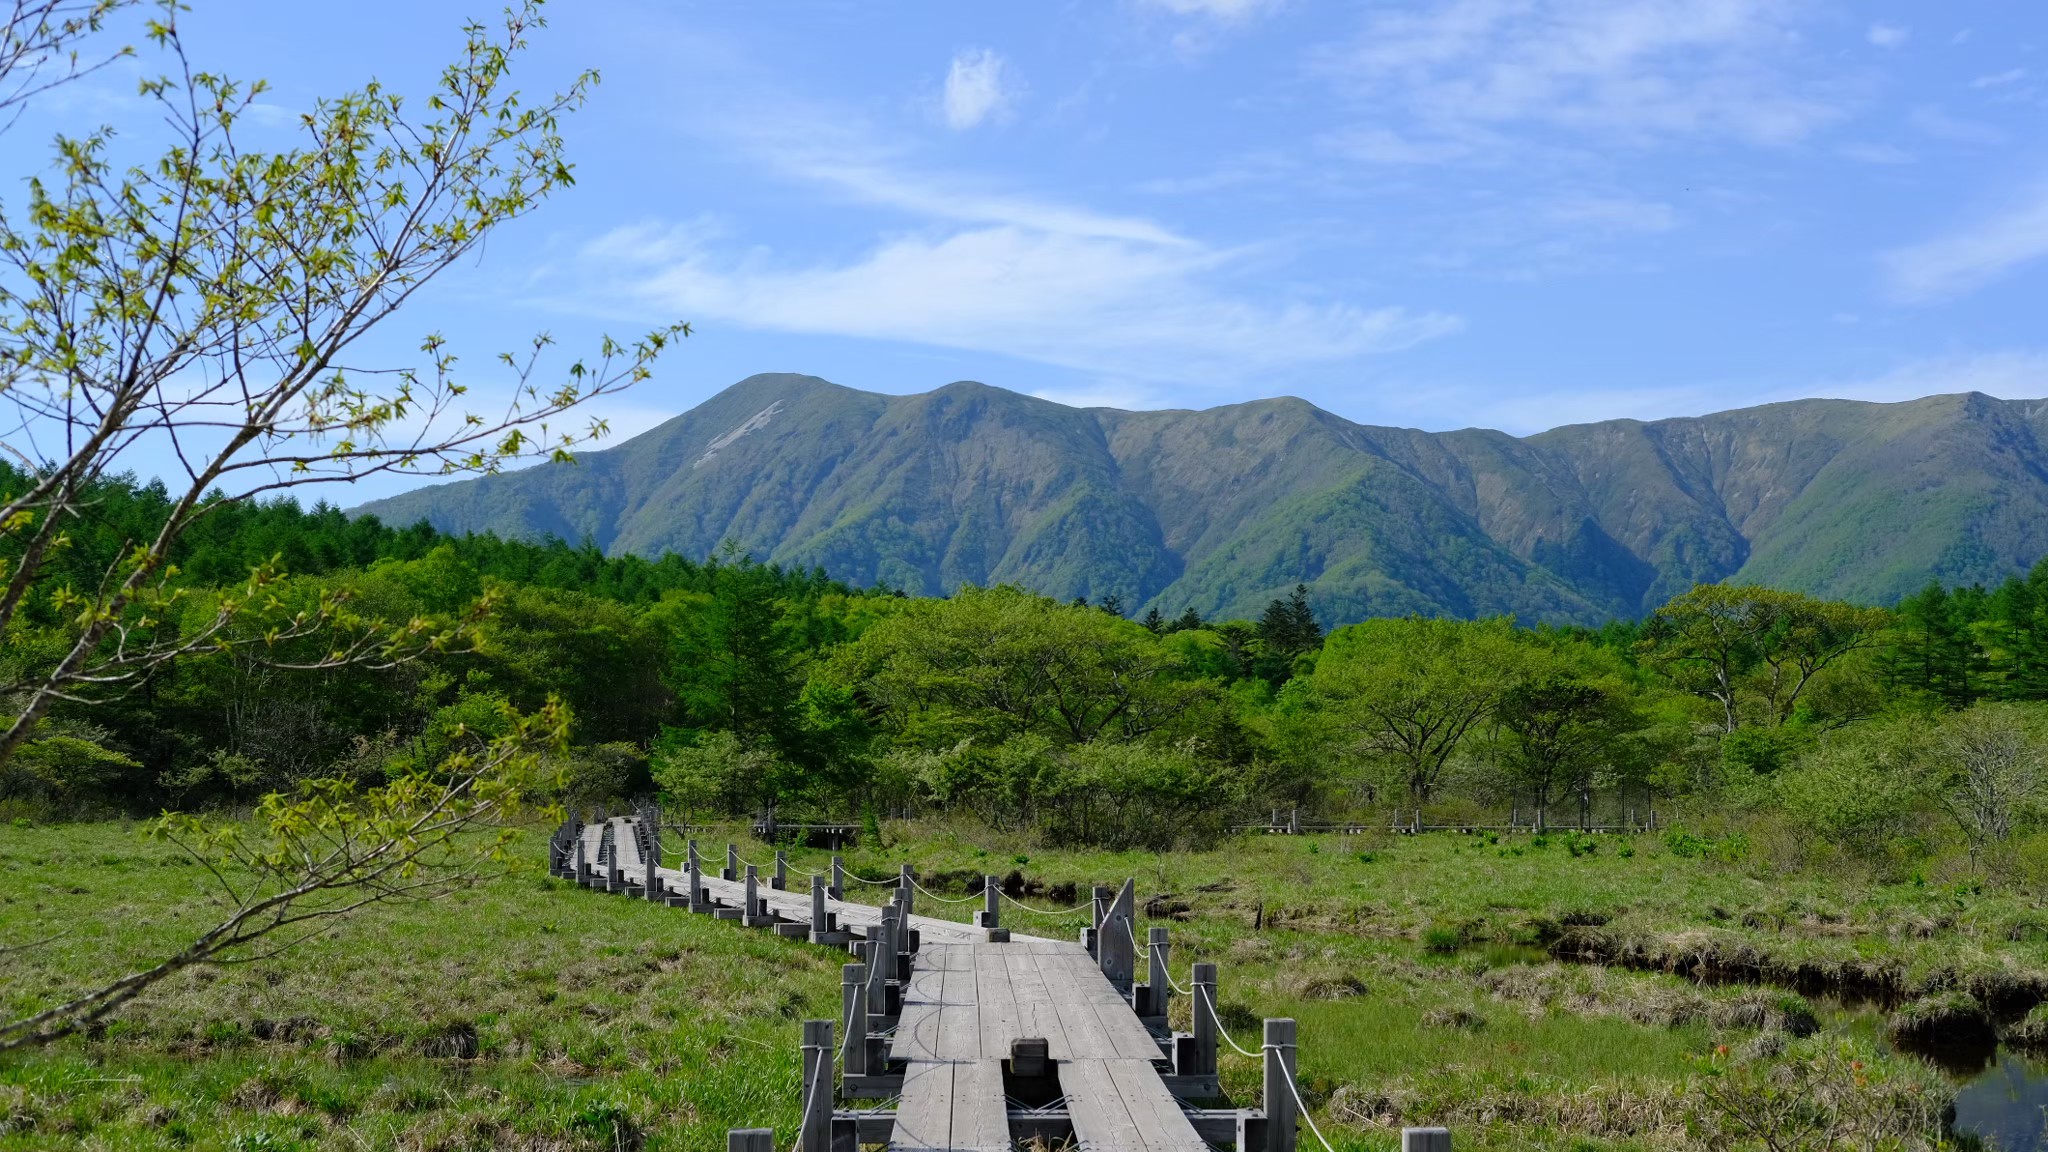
(1753, 651)
(1863, 787)
(211, 300)
(1406, 692)
(1558, 728)
(1988, 770)
(992, 664)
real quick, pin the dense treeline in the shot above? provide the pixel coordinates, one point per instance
(731, 686)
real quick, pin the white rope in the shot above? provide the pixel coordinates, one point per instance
(845, 1034)
(1046, 911)
(1292, 1087)
(1177, 988)
(1217, 1018)
(806, 1123)
(944, 899)
(1295, 1090)
(865, 880)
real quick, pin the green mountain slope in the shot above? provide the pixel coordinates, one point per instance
(1223, 509)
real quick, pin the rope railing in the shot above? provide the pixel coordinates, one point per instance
(1046, 911)
(944, 899)
(1293, 1088)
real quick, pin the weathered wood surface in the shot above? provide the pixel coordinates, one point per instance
(952, 1104)
(971, 1001)
(1122, 1104)
(967, 1002)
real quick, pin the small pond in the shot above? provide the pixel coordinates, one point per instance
(2003, 1103)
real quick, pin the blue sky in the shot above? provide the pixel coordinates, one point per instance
(1440, 213)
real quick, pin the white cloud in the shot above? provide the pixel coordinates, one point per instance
(2000, 79)
(1887, 35)
(2010, 375)
(1933, 122)
(1972, 256)
(1869, 153)
(1115, 306)
(1634, 69)
(1615, 214)
(1226, 10)
(977, 87)
(828, 148)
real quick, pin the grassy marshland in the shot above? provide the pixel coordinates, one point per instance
(529, 1014)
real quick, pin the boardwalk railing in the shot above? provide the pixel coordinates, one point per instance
(1288, 822)
(973, 1036)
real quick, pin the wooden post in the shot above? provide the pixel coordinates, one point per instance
(614, 868)
(750, 913)
(1204, 986)
(1425, 1140)
(853, 1008)
(890, 927)
(1294, 821)
(986, 918)
(837, 889)
(697, 901)
(732, 862)
(819, 924)
(582, 861)
(750, 1140)
(817, 1123)
(878, 991)
(1282, 1110)
(1158, 973)
(904, 882)
(781, 881)
(649, 836)
(1116, 942)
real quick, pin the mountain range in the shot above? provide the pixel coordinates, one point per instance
(1225, 508)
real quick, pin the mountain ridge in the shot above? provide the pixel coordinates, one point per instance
(1220, 509)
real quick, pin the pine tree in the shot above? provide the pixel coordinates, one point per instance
(1154, 622)
(1112, 604)
(1189, 621)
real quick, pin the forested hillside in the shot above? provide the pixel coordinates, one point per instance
(1224, 509)
(731, 685)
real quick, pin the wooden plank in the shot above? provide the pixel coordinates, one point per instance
(999, 1019)
(1089, 1036)
(924, 1113)
(1102, 1122)
(960, 1019)
(1157, 1114)
(1037, 1013)
(1090, 993)
(981, 1120)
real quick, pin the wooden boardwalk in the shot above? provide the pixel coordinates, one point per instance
(985, 1039)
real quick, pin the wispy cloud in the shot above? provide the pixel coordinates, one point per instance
(1227, 10)
(2000, 79)
(1124, 308)
(1969, 257)
(1933, 122)
(827, 147)
(1639, 70)
(978, 85)
(1887, 35)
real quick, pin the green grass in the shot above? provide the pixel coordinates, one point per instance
(601, 1022)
